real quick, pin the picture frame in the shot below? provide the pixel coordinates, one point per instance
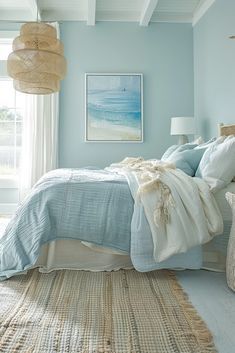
(114, 107)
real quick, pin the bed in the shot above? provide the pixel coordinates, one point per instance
(73, 254)
(83, 254)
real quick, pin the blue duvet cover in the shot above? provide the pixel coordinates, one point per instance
(90, 205)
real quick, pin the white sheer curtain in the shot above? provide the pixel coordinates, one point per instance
(40, 138)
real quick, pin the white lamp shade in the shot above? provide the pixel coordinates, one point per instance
(182, 126)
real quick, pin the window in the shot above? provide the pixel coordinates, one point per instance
(5, 47)
(11, 117)
(12, 109)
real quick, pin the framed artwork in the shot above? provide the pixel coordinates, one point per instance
(114, 107)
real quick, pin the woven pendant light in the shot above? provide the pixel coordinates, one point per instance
(37, 63)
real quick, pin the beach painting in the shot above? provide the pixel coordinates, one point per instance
(114, 107)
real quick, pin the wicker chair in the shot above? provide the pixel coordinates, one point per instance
(230, 265)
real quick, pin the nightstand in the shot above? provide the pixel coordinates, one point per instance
(230, 263)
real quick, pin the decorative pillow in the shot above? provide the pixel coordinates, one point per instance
(188, 160)
(204, 160)
(217, 166)
(177, 148)
(169, 151)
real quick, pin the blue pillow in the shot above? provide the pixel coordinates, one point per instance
(177, 148)
(187, 160)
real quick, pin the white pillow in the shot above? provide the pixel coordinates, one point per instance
(217, 166)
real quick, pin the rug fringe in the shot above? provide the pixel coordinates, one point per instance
(198, 326)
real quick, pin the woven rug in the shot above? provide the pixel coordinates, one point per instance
(87, 312)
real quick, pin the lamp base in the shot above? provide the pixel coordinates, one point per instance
(182, 139)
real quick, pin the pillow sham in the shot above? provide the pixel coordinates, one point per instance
(217, 166)
(187, 160)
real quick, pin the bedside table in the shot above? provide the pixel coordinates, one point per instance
(230, 262)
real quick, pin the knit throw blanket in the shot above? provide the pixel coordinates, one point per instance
(149, 173)
(180, 210)
(103, 312)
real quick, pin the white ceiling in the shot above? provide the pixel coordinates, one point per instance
(140, 11)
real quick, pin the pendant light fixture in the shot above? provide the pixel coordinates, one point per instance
(37, 63)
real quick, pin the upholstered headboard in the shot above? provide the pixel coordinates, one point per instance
(225, 130)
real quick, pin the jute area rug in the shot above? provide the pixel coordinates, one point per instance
(87, 312)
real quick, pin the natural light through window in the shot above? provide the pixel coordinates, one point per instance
(5, 48)
(12, 110)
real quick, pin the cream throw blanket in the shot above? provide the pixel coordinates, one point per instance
(181, 211)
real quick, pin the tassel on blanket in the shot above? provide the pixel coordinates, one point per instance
(149, 176)
(161, 212)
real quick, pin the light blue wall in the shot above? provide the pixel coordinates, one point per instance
(162, 52)
(214, 67)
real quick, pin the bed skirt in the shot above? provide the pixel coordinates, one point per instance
(72, 254)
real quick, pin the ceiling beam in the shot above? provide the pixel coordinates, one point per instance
(147, 12)
(35, 11)
(201, 9)
(91, 11)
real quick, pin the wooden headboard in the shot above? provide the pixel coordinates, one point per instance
(225, 130)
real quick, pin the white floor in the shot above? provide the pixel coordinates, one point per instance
(215, 303)
(212, 298)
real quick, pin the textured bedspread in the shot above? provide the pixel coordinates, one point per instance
(91, 205)
(97, 206)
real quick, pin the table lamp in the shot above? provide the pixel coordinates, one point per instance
(182, 126)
